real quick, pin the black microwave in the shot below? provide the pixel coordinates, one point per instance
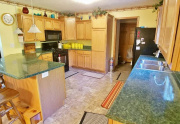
(53, 35)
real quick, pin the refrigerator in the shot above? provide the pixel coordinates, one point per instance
(144, 43)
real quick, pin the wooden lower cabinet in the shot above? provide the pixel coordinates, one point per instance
(80, 58)
(110, 121)
(98, 61)
(46, 57)
(72, 57)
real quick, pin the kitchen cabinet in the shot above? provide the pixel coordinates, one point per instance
(72, 57)
(99, 22)
(56, 25)
(83, 30)
(80, 59)
(47, 57)
(62, 28)
(102, 27)
(98, 60)
(80, 29)
(87, 61)
(40, 24)
(49, 24)
(26, 24)
(168, 28)
(70, 28)
(99, 39)
(88, 28)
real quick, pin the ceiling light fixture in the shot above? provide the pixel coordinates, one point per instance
(34, 28)
(86, 1)
(17, 31)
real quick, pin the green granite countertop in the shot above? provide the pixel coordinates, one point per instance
(148, 97)
(21, 66)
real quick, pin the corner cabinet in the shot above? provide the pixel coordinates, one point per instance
(167, 36)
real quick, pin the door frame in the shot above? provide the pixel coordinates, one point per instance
(115, 33)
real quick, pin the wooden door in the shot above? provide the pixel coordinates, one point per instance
(56, 25)
(40, 24)
(98, 61)
(70, 28)
(62, 29)
(88, 30)
(27, 23)
(49, 24)
(80, 30)
(72, 58)
(87, 61)
(168, 28)
(126, 39)
(99, 37)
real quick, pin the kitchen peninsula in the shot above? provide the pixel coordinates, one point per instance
(41, 84)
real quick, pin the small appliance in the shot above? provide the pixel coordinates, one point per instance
(53, 35)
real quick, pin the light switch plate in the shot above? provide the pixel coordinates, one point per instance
(12, 45)
(45, 74)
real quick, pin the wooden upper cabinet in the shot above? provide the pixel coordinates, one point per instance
(159, 21)
(169, 28)
(27, 23)
(49, 24)
(62, 28)
(88, 30)
(56, 25)
(70, 28)
(40, 24)
(100, 22)
(99, 39)
(80, 30)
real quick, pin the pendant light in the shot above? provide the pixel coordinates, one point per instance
(17, 31)
(33, 28)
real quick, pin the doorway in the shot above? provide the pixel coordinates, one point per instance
(124, 39)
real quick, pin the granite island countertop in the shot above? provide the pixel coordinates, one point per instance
(21, 66)
(148, 97)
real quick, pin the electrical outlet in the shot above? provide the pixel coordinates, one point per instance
(12, 45)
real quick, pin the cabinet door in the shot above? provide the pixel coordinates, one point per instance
(49, 24)
(80, 60)
(88, 29)
(56, 25)
(87, 61)
(27, 22)
(62, 30)
(80, 30)
(98, 60)
(40, 24)
(70, 28)
(99, 39)
(72, 58)
(99, 22)
(169, 27)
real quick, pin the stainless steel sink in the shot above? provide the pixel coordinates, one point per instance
(151, 67)
(152, 62)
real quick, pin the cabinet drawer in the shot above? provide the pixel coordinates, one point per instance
(49, 55)
(87, 52)
(80, 52)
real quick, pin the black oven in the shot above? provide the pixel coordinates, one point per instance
(64, 57)
(53, 35)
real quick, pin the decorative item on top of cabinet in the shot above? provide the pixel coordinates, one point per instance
(169, 28)
(70, 28)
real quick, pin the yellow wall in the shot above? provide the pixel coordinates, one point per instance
(7, 32)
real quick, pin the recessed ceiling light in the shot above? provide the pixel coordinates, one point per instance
(86, 1)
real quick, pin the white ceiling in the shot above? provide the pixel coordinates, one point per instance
(72, 6)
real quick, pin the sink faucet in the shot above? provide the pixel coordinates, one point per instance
(157, 53)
